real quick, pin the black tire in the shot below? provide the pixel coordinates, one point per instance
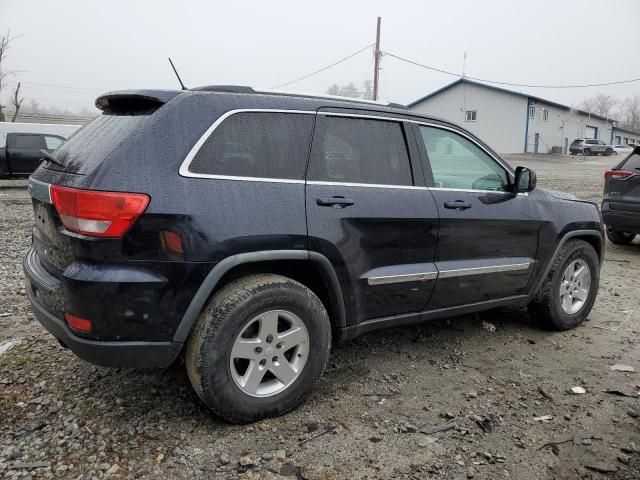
(618, 237)
(224, 318)
(587, 152)
(546, 306)
(608, 152)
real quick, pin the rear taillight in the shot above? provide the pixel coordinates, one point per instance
(98, 214)
(617, 174)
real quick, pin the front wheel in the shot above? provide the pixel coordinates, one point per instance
(608, 152)
(569, 291)
(258, 347)
(618, 237)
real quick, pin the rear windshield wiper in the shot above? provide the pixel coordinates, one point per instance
(51, 158)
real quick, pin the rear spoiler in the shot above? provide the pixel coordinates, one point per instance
(133, 102)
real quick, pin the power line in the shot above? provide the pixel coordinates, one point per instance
(325, 68)
(510, 83)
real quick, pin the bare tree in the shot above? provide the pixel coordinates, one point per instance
(600, 104)
(4, 73)
(631, 113)
(17, 102)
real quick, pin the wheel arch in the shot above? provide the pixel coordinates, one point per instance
(592, 237)
(321, 278)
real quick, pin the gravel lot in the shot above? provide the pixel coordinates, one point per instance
(63, 418)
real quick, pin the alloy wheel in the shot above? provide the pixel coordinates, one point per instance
(575, 286)
(269, 354)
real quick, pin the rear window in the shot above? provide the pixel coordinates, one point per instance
(576, 142)
(257, 144)
(33, 142)
(88, 147)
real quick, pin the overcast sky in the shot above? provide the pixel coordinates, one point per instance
(68, 52)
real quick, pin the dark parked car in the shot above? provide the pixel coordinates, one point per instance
(590, 146)
(621, 201)
(250, 230)
(21, 153)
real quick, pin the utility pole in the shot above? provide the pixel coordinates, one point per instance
(376, 67)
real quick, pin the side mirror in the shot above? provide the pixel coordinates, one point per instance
(525, 180)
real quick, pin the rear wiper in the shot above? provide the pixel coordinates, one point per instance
(51, 158)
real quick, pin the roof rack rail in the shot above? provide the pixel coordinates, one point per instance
(245, 89)
(332, 97)
(225, 89)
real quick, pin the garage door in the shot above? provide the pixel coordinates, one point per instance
(590, 132)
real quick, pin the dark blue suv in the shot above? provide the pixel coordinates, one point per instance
(248, 230)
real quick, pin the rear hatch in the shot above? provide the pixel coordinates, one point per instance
(57, 245)
(622, 184)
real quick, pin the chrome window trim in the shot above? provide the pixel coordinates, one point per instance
(366, 185)
(186, 163)
(463, 272)
(407, 277)
(185, 172)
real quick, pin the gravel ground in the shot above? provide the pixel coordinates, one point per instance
(63, 418)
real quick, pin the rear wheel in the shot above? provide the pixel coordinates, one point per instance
(587, 152)
(258, 347)
(618, 237)
(570, 289)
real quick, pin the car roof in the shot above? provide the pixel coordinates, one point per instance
(263, 99)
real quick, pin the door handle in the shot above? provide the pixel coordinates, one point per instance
(335, 202)
(457, 205)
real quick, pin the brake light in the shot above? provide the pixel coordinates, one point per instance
(617, 174)
(78, 323)
(98, 214)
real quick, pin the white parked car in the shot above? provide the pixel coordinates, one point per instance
(623, 149)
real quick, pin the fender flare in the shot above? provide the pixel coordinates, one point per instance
(220, 269)
(567, 236)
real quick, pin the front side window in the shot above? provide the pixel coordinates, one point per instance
(33, 142)
(471, 115)
(257, 144)
(460, 164)
(52, 142)
(355, 150)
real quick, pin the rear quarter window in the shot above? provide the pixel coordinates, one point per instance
(258, 145)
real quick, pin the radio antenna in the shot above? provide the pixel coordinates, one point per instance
(176, 72)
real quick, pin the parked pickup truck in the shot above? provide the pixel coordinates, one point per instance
(20, 154)
(20, 145)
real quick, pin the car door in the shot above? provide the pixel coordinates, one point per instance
(488, 236)
(24, 152)
(370, 214)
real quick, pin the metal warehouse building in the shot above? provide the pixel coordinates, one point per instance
(514, 122)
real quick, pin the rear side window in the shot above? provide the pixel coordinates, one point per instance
(257, 144)
(354, 150)
(33, 142)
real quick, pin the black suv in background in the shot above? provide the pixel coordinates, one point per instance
(248, 230)
(621, 201)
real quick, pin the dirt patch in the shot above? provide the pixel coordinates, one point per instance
(502, 398)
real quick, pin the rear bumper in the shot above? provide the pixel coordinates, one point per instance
(125, 354)
(621, 220)
(107, 354)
